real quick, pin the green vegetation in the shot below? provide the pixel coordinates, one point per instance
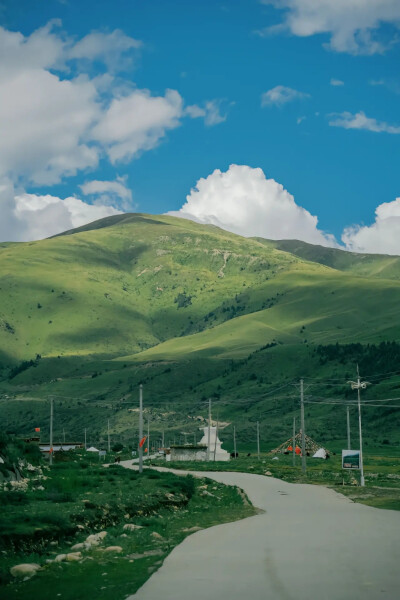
(382, 475)
(59, 508)
(192, 312)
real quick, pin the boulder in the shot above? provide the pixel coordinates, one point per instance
(81, 546)
(116, 549)
(157, 536)
(131, 527)
(60, 557)
(95, 538)
(24, 570)
(73, 556)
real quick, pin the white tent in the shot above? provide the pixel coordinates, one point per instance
(92, 449)
(320, 453)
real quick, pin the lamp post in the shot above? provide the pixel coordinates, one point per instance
(360, 385)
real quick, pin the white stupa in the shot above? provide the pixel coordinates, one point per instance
(213, 445)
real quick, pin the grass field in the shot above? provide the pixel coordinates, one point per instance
(79, 498)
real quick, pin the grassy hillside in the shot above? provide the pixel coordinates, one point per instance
(364, 265)
(191, 311)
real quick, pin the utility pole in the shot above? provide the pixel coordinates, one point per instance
(148, 437)
(108, 435)
(303, 433)
(234, 441)
(360, 385)
(216, 437)
(294, 442)
(258, 440)
(209, 429)
(162, 438)
(140, 428)
(348, 428)
(85, 438)
(64, 435)
(51, 432)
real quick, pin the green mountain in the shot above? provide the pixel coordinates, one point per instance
(191, 311)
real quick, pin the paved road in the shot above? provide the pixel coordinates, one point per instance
(310, 544)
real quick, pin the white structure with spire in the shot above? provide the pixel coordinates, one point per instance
(214, 445)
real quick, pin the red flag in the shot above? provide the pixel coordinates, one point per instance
(145, 450)
(37, 429)
(142, 441)
(51, 450)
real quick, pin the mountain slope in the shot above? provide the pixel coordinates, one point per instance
(364, 265)
(191, 311)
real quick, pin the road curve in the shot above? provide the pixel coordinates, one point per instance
(310, 544)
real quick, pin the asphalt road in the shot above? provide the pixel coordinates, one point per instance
(309, 544)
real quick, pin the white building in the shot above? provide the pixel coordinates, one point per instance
(213, 445)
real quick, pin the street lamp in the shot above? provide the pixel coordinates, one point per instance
(360, 385)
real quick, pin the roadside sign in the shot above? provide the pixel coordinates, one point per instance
(350, 459)
(102, 453)
(134, 453)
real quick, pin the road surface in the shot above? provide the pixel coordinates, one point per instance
(310, 544)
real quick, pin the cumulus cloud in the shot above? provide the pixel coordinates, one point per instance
(354, 26)
(61, 113)
(137, 122)
(382, 237)
(244, 201)
(27, 217)
(337, 82)
(360, 121)
(210, 112)
(280, 95)
(109, 192)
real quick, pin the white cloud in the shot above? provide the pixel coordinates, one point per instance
(115, 192)
(243, 201)
(336, 82)
(211, 112)
(382, 237)
(53, 126)
(280, 95)
(137, 122)
(108, 47)
(353, 25)
(28, 217)
(360, 121)
(300, 120)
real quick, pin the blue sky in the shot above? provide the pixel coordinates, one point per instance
(224, 53)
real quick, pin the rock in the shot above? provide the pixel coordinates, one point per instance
(95, 538)
(80, 527)
(131, 527)
(81, 546)
(192, 529)
(117, 549)
(268, 473)
(123, 535)
(24, 570)
(73, 556)
(60, 557)
(205, 493)
(157, 536)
